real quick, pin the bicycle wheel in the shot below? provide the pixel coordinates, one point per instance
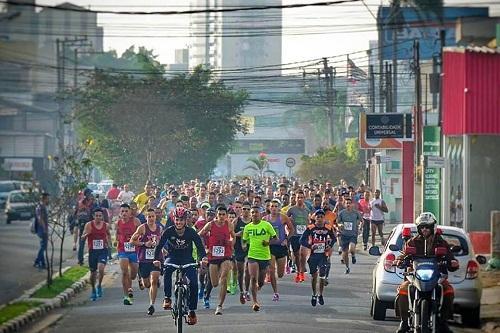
(180, 309)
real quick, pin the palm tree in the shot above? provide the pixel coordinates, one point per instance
(259, 164)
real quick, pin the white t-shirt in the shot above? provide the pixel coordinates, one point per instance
(126, 196)
(375, 213)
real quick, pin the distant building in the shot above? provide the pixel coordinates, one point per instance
(181, 64)
(31, 127)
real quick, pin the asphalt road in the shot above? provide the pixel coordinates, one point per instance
(18, 248)
(346, 309)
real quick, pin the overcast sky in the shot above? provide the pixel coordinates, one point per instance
(309, 33)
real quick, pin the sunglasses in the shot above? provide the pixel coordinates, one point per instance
(245, 208)
(425, 227)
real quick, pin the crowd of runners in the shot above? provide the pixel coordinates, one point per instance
(244, 233)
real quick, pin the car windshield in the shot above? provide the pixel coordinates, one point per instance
(7, 187)
(20, 197)
(92, 186)
(452, 240)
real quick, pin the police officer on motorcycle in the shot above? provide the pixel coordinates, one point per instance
(426, 236)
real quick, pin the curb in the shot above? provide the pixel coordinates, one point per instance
(15, 324)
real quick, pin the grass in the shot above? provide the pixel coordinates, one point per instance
(15, 309)
(61, 283)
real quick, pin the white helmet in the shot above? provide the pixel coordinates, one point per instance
(426, 218)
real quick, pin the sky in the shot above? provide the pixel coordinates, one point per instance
(309, 33)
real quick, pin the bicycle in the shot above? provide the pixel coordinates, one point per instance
(180, 307)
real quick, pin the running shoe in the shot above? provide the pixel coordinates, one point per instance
(130, 293)
(218, 310)
(276, 297)
(93, 296)
(247, 296)
(127, 301)
(151, 310)
(191, 319)
(321, 300)
(99, 291)
(267, 279)
(232, 288)
(167, 303)
(353, 259)
(206, 302)
(365, 246)
(326, 281)
(242, 298)
(347, 270)
(314, 300)
(201, 292)
(297, 278)
(256, 307)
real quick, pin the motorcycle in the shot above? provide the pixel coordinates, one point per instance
(425, 293)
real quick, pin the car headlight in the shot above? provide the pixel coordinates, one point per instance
(425, 274)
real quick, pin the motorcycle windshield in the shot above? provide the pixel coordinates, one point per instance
(426, 269)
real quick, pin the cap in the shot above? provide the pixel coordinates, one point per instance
(205, 205)
(319, 212)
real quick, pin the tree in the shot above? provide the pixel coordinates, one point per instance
(151, 127)
(71, 173)
(333, 163)
(260, 165)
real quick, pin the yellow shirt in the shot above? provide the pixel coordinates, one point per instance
(141, 200)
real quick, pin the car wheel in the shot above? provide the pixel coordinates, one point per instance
(378, 308)
(471, 317)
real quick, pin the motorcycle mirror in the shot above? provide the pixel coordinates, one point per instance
(374, 251)
(394, 247)
(456, 249)
(481, 259)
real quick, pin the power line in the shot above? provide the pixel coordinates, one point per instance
(182, 12)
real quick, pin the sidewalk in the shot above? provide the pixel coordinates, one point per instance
(490, 302)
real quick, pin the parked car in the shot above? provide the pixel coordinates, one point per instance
(7, 186)
(468, 289)
(20, 205)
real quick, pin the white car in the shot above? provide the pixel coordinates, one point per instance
(468, 289)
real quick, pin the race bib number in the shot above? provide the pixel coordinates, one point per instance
(150, 254)
(348, 226)
(98, 244)
(218, 251)
(301, 229)
(129, 247)
(320, 248)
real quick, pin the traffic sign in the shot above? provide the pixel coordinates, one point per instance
(290, 162)
(436, 162)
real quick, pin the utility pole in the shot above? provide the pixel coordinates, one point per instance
(396, 8)
(330, 97)
(371, 78)
(418, 99)
(388, 88)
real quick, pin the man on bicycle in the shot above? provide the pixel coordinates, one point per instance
(179, 243)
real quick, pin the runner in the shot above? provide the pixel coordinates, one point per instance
(378, 208)
(125, 228)
(145, 238)
(365, 210)
(319, 238)
(299, 214)
(279, 246)
(240, 254)
(256, 236)
(205, 284)
(98, 239)
(232, 280)
(348, 220)
(220, 250)
(179, 243)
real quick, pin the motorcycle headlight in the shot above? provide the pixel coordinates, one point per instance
(425, 274)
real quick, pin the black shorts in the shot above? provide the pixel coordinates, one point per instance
(97, 257)
(263, 264)
(145, 269)
(318, 261)
(218, 261)
(240, 256)
(377, 222)
(278, 251)
(295, 243)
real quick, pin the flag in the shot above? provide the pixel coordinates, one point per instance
(354, 73)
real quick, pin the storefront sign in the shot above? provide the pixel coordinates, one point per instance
(18, 164)
(431, 189)
(388, 126)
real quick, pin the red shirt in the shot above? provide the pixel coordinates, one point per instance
(219, 242)
(113, 193)
(364, 208)
(97, 239)
(125, 230)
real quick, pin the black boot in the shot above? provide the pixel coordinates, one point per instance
(403, 327)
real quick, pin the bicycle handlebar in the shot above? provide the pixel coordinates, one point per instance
(194, 264)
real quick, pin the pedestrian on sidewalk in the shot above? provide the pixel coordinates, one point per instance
(378, 208)
(42, 229)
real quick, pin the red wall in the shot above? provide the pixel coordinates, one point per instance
(471, 93)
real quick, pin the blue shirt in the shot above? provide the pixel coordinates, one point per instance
(180, 248)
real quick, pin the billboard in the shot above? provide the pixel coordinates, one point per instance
(285, 146)
(384, 130)
(427, 32)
